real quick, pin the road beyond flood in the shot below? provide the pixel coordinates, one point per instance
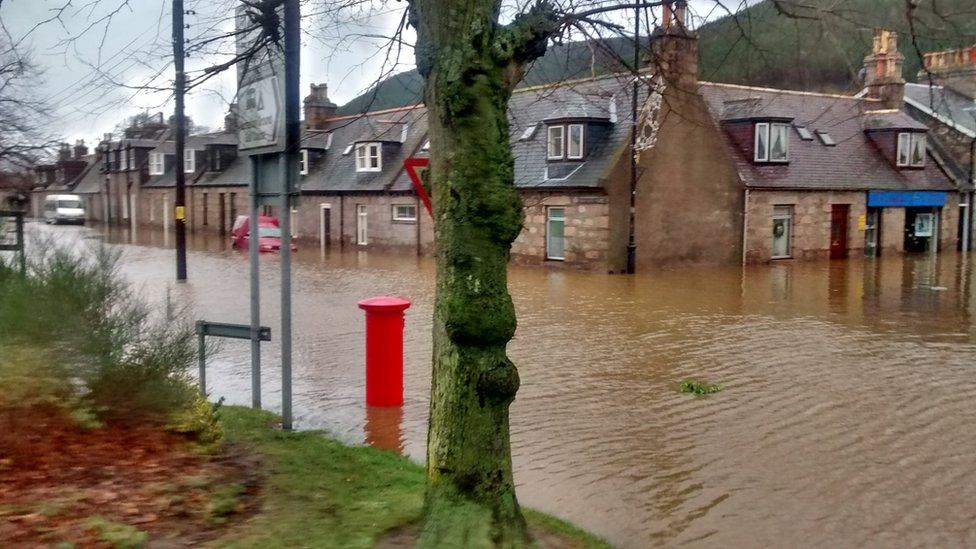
(847, 415)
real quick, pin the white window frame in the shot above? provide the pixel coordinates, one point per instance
(562, 142)
(760, 153)
(789, 217)
(303, 163)
(189, 161)
(365, 154)
(328, 141)
(785, 130)
(362, 225)
(917, 138)
(405, 219)
(569, 141)
(549, 219)
(157, 163)
(765, 153)
(903, 145)
(123, 160)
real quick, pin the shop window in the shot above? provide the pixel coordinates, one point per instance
(555, 233)
(405, 213)
(782, 232)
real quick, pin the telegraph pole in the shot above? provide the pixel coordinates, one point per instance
(631, 237)
(180, 90)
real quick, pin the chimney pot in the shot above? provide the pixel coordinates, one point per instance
(318, 108)
(883, 70)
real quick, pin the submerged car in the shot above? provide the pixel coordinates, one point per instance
(269, 234)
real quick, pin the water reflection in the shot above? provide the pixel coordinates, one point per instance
(384, 428)
(847, 415)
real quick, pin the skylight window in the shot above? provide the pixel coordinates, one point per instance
(529, 132)
(804, 133)
(328, 141)
(347, 150)
(426, 146)
(826, 139)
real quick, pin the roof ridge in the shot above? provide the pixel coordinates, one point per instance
(790, 92)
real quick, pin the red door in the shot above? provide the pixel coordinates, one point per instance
(838, 231)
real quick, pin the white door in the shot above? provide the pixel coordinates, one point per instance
(361, 232)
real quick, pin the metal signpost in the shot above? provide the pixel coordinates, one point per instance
(269, 133)
(221, 329)
(12, 225)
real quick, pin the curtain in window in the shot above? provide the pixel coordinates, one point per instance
(918, 150)
(778, 147)
(904, 145)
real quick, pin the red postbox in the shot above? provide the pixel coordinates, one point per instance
(384, 350)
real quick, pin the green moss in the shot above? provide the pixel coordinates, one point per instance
(698, 387)
(120, 536)
(322, 493)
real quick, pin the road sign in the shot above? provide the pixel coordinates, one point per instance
(413, 165)
(260, 83)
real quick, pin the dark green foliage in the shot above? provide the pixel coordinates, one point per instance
(74, 336)
(698, 387)
(824, 49)
(760, 47)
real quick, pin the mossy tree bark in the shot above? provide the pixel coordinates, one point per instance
(470, 64)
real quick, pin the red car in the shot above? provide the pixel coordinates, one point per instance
(269, 234)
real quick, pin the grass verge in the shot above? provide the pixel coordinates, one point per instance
(322, 493)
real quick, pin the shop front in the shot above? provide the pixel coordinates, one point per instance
(922, 211)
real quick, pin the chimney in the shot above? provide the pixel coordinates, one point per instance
(955, 69)
(674, 47)
(231, 119)
(64, 152)
(883, 70)
(318, 108)
(80, 149)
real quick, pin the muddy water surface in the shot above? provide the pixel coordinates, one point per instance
(847, 417)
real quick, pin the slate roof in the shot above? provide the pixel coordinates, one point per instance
(891, 119)
(90, 181)
(855, 163)
(200, 141)
(335, 171)
(944, 103)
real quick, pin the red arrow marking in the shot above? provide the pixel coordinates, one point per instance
(412, 165)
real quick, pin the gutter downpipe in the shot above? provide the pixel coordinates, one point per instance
(745, 225)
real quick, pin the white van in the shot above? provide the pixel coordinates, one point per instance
(63, 208)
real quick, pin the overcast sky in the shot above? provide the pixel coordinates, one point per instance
(88, 60)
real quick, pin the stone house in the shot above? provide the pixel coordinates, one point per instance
(737, 175)
(944, 99)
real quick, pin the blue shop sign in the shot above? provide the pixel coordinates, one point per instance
(905, 199)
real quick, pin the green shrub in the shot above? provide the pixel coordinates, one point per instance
(697, 387)
(73, 334)
(117, 534)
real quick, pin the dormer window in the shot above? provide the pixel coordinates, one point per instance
(132, 159)
(556, 142)
(911, 150)
(189, 161)
(368, 157)
(772, 142)
(303, 162)
(574, 145)
(156, 163)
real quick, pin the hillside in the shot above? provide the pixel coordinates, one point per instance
(821, 47)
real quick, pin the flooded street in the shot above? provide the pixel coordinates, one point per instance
(847, 417)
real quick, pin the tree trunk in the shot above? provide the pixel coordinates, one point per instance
(470, 64)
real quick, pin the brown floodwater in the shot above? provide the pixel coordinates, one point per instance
(848, 415)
